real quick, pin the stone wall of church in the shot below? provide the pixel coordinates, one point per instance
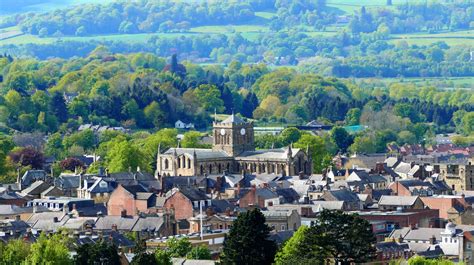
(168, 165)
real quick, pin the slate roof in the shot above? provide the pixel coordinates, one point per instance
(35, 188)
(266, 193)
(397, 200)
(221, 206)
(330, 205)
(31, 176)
(420, 233)
(201, 153)
(148, 224)
(233, 119)
(281, 237)
(288, 194)
(7, 209)
(106, 222)
(134, 189)
(344, 195)
(193, 194)
(403, 168)
(267, 154)
(67, 181)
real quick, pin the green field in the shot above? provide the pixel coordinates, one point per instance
(230, 29)
(265, 15)
(441, 82)
(465, 37)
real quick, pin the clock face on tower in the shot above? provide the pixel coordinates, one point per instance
(242, 131)
(222, 132)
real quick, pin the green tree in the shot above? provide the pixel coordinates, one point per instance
(346, 238)
(247, 241)
(199, 252)
(54, 146)
(468, 123)
(342, 138)
(209, 98)
(58, 107)
(51, 249)
(15, 252)
(192, 139)
(85, 139)
(124, 156)
(178, 247)
(102, 251)
(406, 137)
(353, 116)
(154, 115)
(162, 257)
(318, 148)
(296, 250)
(290, 135)
(363, 144)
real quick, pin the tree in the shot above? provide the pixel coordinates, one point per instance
(192, 139)
(199, 252)
(353, 117)
(71, 164)
(335, 235)
(154, 115)
(468, 123)
(15, 252)
(247, 241)
(28, 156)
(363, 144)
(144, 259)
(58, 107)
(124, 156)
(85, 139)
(162, 257)
(406, 137)
(141, 256)
(342, 138)
(54, 145)
(290, 135)
(178, 247)
(249, 105)
(209, 98)
(319, 149)
(52, 248)
(297, 250)
(102, 251)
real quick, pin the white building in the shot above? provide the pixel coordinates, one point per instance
(182, 125)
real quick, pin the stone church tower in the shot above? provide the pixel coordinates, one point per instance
(233, 136)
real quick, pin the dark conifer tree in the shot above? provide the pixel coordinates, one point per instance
(58, 107)
(247, 241)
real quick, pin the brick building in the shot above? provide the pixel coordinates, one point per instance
(133, 199)
(185, 202)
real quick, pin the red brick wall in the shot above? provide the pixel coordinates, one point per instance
(250, 198)
(120, 200)
(399, 189)
(182, 206)
(442, 204)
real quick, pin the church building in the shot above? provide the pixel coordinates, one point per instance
(233, 152)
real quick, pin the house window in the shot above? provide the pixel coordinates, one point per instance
(283, 228)
(166, 164)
